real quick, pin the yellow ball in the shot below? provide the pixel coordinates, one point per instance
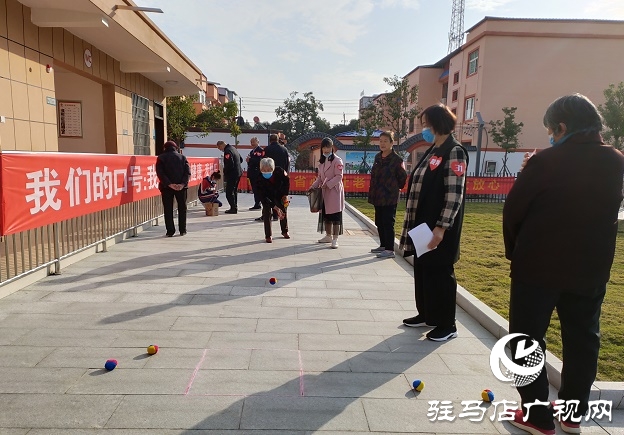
(487, 395)
(418, 385)
(152, 349)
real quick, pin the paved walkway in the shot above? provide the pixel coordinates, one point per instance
(321, 350)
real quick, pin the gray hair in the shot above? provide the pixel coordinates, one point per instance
(576, 111)
(267, 163)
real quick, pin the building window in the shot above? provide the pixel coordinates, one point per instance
(469, 112)
(473, 62)
(404, 125)
(454, 110)
(202, 97)
(411, 125)
(456, 78)
(455, 92)
(490, 167)
(140, 125)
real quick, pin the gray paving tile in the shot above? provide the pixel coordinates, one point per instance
(297, 326)
(10, 335)
(366, 304)
(66, 337)
(334, 314)
(227, 324)
(252, 312)
(321, 413)
(38, 380)
(385, 416)
(177, 412)
(343, 342)
(256, 340)
(297, 302)
(44, 320)
(164, 339)
(94, 357)
(355, 385)
(59, 411)
(133, 381)
(383, 328)
(325, 361)
(22, 356)
(247, 382)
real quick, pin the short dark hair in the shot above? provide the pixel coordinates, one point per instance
(388, 134)
(576, 111)
(272, 138)
(216, 175)
(440, 118)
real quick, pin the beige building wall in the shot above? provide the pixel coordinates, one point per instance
(89, 93)
(27, 91)
(544, 69)
(529, 63)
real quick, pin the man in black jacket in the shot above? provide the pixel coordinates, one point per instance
(173, 172)
(253, 169)
(232, 171)
(278, 153)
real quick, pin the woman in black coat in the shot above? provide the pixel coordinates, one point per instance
(273, 185)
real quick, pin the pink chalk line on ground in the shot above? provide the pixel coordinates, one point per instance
(203, 357)
(199, 364)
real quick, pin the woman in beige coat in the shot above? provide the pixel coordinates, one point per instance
(329, 178)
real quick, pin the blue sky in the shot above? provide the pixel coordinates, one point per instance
(264, 49)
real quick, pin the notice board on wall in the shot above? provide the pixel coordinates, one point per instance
(69, 118)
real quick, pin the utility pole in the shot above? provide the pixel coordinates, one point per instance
(456, 34)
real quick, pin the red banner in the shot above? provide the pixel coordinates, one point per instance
(42, 188)
(489, 185)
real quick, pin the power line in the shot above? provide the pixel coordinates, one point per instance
(282, 99)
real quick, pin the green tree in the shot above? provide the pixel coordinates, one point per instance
(395, 109)
(180, 116)
(302, 161)
(223, 116)
(505, 134)
(613, 113)
(370, 118)
(341, 128)
(299, 114)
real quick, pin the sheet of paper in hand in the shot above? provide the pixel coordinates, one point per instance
(421, 236)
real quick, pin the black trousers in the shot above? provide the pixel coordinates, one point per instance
(254, 189)
(530, 310)
(385, 217)
(267, 213)
(231, 192)
(435, 290)
(167, 196)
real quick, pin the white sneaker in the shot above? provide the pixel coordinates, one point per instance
(334, 244)
(325, 239)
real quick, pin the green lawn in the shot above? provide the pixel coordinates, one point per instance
(484, 271)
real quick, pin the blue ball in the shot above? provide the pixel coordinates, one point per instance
(110, 364)
(418, 385)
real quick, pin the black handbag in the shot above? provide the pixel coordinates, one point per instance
(315, 196)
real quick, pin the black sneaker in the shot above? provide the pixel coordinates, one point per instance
(259, 219)
(169, 234)
(442, 333)
(415, 322)
(255, 207)
(378, 250)
(183, 233)
(231, 211)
